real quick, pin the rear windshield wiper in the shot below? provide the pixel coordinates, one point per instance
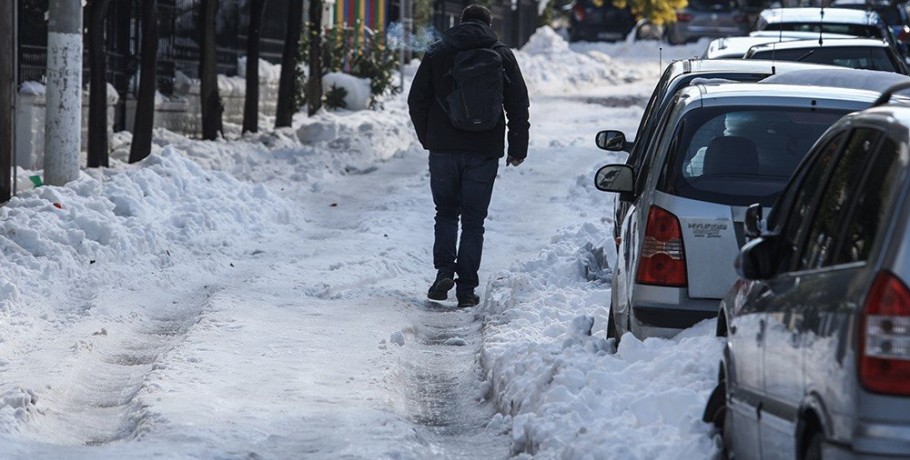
(810, 53)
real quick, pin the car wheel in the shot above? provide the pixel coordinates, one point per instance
(814, 447)
(716, 414)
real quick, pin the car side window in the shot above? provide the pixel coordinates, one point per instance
(803, 199)
(867, 217)
(650, 150)
(842, 186)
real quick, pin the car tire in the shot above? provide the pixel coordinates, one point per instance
(814, 447)
(716, 415)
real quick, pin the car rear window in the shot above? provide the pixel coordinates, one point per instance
(854, 57)
(739, 156)
(830, 27)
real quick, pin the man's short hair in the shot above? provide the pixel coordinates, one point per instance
(477, 13)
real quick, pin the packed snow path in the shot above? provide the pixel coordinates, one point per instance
(238, 322)
(313, 339)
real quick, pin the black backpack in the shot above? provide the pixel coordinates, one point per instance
(476, 102)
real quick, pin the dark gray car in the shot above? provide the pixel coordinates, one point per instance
(707, 18)
(817, 362)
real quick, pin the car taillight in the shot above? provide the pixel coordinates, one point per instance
(663, 258)
(579, 12)
(683, 17)
(904, 34)
(884, 360)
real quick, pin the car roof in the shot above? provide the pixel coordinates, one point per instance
(739, 66)
(812, 44)
(796, 34)
(868, 3)
(809, 15)
(764, 93)
(841, 77)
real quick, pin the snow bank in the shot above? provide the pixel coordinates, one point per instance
(361, 136)
(123, 215)
(562, 391)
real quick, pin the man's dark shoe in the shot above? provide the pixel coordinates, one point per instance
(439, 290)
(467, 299)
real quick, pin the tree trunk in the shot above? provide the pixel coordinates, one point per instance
(251, 102)
(148, 76)
(314, 83)
(97, 105)
(7, 95)
(210, 101)
(63, 122)
(288, 84)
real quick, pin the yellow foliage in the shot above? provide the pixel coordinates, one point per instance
(656, 11)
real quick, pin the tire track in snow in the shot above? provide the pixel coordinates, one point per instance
(437, 384)
(97, 402)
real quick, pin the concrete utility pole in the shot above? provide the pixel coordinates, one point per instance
(7, 95)
(63, 123)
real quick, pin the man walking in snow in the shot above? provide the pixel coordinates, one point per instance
(456, 103)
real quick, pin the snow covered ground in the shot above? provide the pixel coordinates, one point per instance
(264, 297)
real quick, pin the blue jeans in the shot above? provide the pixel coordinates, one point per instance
(462, 184)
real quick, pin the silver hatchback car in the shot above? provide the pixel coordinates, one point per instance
(817, 362)
(719, 148)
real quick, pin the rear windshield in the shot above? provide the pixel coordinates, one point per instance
(854, 57)
(739, 156)
(830, 27)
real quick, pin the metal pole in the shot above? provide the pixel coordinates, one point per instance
(63, 122)
(7, 83)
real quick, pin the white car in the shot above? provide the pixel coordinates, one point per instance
(720, 148)
(845, 21)
(854, 53)
(736, 47)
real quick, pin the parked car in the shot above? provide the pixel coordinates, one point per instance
(680, 74)
(855, 53)
(599, 20)
(817, 362)
(717, 149)
(707, 18)
(893, 13)
(865, 24)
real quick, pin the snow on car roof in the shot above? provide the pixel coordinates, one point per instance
(831, 15)
(796, 34)
(810, 44)
(869, 80)
(736, 46)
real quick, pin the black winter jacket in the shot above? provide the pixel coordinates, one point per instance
(433, 83)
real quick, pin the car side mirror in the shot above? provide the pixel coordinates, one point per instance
(614, 141)
(753, 222)
(618, 178)
(756, 260)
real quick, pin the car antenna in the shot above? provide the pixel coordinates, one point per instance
(821, 24)
(780, 39)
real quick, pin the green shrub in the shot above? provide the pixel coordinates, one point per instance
(334, 98)
(361, 55)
